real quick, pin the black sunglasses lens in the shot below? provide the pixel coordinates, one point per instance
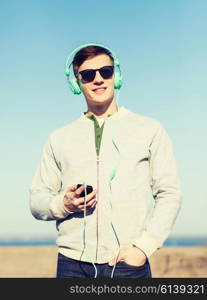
(107, 72)
(88, 75)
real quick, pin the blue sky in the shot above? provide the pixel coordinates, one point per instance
(162, 48)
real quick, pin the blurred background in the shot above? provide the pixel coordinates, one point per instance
(162, 48)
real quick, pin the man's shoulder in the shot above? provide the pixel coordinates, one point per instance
(62, 131)
(144, 120)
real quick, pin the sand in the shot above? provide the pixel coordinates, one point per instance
(40, 262)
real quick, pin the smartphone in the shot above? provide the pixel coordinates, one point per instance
(89, 189)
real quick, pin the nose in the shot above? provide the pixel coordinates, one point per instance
(98, 78)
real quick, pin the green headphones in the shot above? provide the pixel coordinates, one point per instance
(73, 83)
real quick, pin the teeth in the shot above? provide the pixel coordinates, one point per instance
(99, 90)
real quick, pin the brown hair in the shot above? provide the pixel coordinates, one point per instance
(88, 52)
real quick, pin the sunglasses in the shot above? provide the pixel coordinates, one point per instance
(88, 75)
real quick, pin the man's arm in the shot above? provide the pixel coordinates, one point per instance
(46, 196)
(166, 193)
(48, 201)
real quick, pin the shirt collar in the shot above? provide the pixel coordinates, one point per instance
(115, 116)
(91, 115)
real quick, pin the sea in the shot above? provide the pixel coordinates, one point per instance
(51, 241)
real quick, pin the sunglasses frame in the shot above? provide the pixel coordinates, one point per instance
(94, 72)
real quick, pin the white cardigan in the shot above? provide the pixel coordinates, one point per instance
(139, 152)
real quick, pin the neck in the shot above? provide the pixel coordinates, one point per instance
(102, 111)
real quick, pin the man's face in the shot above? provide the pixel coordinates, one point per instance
(100, 90)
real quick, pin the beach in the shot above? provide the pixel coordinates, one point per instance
(40, 262)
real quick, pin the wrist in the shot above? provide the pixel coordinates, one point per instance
(67, 210)
(139, 249)
(65, 205)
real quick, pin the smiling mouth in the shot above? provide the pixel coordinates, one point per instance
(99, 91)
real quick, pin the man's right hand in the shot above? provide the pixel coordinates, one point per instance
(74, 203)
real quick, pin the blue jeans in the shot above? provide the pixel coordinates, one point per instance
(70, 268)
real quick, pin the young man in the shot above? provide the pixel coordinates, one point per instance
(126, 158)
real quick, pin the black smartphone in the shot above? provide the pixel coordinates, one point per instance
(89, 189)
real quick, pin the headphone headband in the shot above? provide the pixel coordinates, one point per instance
(69, 60)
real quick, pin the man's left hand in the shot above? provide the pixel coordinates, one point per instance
(131, 255)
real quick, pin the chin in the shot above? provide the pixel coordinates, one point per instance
(102, 99)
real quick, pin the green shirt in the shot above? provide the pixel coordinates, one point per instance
(98, 132)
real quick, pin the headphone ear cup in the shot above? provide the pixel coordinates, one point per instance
(74, 86)
(117, 80)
